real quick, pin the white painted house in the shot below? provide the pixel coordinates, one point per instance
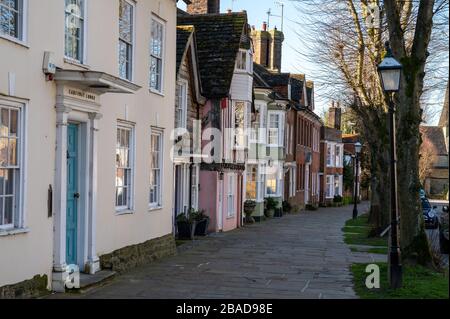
(83, 149)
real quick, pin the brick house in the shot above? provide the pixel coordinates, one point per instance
(301, 159)
(332, 158)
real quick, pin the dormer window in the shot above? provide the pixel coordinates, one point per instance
(241, 63)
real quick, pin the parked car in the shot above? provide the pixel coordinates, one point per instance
(429, 214)
(443, 230)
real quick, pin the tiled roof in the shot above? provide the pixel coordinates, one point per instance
(272, 79)
(433, 139)
(218, 37)
(184, 33)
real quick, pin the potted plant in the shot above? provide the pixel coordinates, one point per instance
(185, 226)
(202, 222)
(287, 207)
(249, 209)
(271, 205)
(338, 200)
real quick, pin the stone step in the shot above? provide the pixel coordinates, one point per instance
(89, 282)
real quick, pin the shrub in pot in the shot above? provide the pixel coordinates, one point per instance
(338, 200)
(202, 222)
(249, 209)
(287, 207)
(185, 226)
(271, 205)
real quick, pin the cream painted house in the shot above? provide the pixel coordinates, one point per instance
(84, 149)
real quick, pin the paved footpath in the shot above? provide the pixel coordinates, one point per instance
(297, 256)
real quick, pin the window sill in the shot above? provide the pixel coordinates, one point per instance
(124, 212)
(157, 92)
(155, 208)
(76, 63)
(15, 41)
(231, 217)
(13, 232)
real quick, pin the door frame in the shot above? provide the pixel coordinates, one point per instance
(86, 114)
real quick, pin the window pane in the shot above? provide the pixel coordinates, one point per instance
(1, 212)
(9, 182)
(4, 122)
(13, 152)
(3, 176)
(9, 211)
(3, 152)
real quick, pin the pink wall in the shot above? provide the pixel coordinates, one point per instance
(208, 196)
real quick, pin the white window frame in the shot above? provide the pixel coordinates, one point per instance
(231, 196)
(280, 129)
(338, 156)
(261, 180)
(277, 170)
(293, 181)
(263, 124)
(159, 204)
(195, 186)
(19, 186)
(239, 63)
(250, 169)
(182, 102)
(132, 167)
(22, 38)
(155, 19)
(132, 44)
(83, 41)
(329, 181)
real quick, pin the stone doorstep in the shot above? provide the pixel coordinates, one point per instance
(90, 282)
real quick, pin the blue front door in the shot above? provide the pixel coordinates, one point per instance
(72, 195)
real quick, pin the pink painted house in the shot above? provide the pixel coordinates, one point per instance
(225, 55)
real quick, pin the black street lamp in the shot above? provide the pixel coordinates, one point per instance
(358, 148)
(390, 72)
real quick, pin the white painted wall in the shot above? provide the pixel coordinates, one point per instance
(26, 255)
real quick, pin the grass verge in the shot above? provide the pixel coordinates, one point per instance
(377, 250)
(356, 232)
(418, 283)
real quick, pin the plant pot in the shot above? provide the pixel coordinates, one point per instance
(249, 218)
(269, 213)
(278, 213)
(186, 230)
(201, 228)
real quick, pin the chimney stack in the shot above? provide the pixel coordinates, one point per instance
(335, 116)
(204, 7)
(268, 47)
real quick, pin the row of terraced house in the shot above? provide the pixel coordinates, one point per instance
(116, 120)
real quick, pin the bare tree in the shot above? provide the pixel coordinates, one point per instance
(349, 44)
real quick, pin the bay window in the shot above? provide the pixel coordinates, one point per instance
(276, 129)
(273, 185)
(251, 187)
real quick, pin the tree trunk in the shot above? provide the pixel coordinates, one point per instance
(379, 210)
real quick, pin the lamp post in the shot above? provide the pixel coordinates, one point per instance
(358, 148)
(390, 73)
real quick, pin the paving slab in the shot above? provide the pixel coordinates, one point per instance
(300, 256)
